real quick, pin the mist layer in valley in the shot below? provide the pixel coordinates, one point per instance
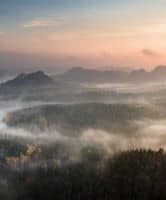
(136, 120)
(59, 126)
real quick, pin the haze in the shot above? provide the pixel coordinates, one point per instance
(63, 33)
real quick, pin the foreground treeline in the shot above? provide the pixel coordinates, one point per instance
(137, 174)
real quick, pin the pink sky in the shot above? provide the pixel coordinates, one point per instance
(92, 34)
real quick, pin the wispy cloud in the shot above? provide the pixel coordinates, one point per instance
(37, 23)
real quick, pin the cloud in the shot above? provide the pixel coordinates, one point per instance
(150, 53)
(37, 23)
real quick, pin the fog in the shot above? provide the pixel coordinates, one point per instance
(137, 87)
(149, 133)
(146, 133)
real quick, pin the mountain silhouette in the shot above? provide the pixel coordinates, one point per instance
(35, 79)
(80, 74)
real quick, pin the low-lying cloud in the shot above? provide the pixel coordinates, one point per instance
(148, 134)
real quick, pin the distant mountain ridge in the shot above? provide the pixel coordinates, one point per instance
(39, 79)
(34, 79)
(79, 74)
(24, 84)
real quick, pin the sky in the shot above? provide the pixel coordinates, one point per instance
(59, 34)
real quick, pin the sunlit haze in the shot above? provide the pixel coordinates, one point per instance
(91, 33)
